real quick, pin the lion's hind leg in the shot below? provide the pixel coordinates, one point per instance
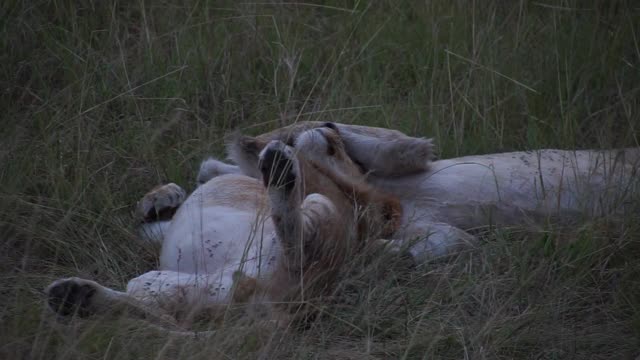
(167, 298)
(85, 298)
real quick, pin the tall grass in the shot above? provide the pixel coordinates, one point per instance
(104, 99)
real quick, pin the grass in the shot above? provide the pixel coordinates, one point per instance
(103, 100)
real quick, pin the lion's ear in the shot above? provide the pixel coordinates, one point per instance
(244, 151)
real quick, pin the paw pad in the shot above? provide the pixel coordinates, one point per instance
(277, 164)
(161, 203)
(69, 297)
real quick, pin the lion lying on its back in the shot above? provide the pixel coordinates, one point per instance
(301, 200)
(279, 239)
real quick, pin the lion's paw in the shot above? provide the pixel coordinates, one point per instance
(278, 165)
(403, 258)
(72, 296)
(161, 202)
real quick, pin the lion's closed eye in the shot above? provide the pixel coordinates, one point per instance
(324, 146)
(320, 141)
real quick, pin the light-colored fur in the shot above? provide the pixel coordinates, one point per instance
(383, 152)
(519, 188)
(236, 239)
(223, 237)
(445, 199)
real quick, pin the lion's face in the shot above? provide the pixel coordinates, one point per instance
(323, 145)
(331, 171)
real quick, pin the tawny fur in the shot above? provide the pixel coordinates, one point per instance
(235, 239)
(442, 200)
(383, 152)
(431, 207)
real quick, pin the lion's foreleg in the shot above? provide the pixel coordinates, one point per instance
(298, 220)
(280, 171)
(156, 209)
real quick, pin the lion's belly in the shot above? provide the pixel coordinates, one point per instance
(207, 238)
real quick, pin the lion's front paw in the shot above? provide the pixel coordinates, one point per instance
(72, 296)
(403, 258)
(278, 165)
(161, 202)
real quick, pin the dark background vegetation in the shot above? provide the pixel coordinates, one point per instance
(102, 100)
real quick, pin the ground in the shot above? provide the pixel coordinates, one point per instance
(102, 100)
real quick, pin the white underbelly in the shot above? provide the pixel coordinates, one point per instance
(218, 240)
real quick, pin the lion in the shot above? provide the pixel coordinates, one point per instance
(444, 202)
(432, 207)
(278, 239)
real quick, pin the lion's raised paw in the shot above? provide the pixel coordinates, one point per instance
(277, 164)
(160, 203)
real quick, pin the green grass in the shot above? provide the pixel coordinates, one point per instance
(103, 100)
